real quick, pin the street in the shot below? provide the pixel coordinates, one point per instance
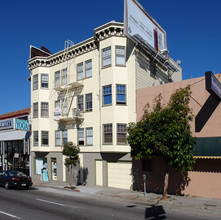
(61, 204)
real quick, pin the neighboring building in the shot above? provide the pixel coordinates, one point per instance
(14, 141)
(205, 179)
(87, 94)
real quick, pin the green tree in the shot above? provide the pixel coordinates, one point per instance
(165, 132)
(71, 152)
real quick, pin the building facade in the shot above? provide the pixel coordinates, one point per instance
(205, 178)
(87, 94)
(14, 141)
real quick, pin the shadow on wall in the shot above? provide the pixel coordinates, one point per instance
(155, 178)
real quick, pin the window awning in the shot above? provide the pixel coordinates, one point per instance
(209, 147)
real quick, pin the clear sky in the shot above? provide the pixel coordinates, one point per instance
(193, 30)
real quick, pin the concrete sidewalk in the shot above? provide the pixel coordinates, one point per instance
(135, 197)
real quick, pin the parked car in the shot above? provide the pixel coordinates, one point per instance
(11, 178)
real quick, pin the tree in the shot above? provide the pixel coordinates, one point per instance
(71, 152)
(165, 132)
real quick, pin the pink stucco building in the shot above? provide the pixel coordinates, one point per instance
(205, 179)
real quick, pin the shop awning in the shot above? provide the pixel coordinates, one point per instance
(11, 135)
(209, 147)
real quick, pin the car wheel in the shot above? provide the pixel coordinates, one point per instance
(7, 185)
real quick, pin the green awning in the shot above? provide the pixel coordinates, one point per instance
(208, 147)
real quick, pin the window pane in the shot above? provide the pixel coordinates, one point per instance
(35, 110)
(35, 141)
(88, 68)
(65, 136)
(80, 71)
(35, 82)
(121, 94)
(44, 109)
(89, 136)
(121, 133)
(107, 95)
(120, 55)
(57, 79)
(106, 57)
(81, 136)
(44, 137)
(81, 102)
(44, 80)
(89, 102)
(57, 138)
(108, 134)
(64, 77)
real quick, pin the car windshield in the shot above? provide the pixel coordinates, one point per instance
(17, 173)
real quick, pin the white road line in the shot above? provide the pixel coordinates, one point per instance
(5, 213)
(55, 203)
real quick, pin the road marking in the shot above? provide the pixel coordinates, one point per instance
(55, 203)
(5, 213)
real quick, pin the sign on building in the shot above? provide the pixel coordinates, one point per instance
(6, 124)
(213, 86)
(21, 124)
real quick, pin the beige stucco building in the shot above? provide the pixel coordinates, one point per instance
(205, 178)
(87, 94)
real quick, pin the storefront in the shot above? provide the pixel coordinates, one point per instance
(14, 141)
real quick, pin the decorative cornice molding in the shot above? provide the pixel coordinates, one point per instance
(101, 33)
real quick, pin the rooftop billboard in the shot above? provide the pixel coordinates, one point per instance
(137, 22)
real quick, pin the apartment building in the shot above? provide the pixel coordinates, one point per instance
(86, 94)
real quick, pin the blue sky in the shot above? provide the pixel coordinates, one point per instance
(192, 27)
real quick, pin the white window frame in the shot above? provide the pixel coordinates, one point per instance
(107, 91)
(81, 102)
(57, 78)
(35, 82)
(80, 71)
(121, 130)
(58, 138)
(88, 109)
(44, 81)
(89, 136)
(107, 130)
(35, 138)
(64, 136)
(106, 57)
(120, 56)
(88, 68)
(81, 136)
(35, 110)
(45, 135)
(121, 91)
(44, 109)
(64, 77)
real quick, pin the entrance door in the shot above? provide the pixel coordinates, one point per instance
(99, 173)
(53, 168)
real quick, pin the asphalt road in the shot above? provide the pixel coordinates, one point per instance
(35, 204)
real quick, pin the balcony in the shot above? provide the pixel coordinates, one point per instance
(69, 86)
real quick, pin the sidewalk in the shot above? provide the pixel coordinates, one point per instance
(135, 197)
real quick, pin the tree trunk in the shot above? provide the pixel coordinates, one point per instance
(71, 176)
(166, 183)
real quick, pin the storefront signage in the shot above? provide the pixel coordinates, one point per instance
(213, 86)
(21, 124)
(6, 124)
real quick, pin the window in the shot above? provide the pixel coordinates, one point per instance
(108, 134)
(107, 95)
(121, 94)
(44, 138)
(80, 136)
(44, 109)
(88, 102)
(57, 104)
(35, 138)
(57, 138)
(35, 82)
(106, 57)
(40, 163)
(153, 70)
(35, 110)
(147, 165)
(88, 68)
(121, 133)
(57, 78)
(80, 71)
(89, 136)
(44, 80)
(64, 137)
(81, 103)
(120, 55)
(64, 77)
